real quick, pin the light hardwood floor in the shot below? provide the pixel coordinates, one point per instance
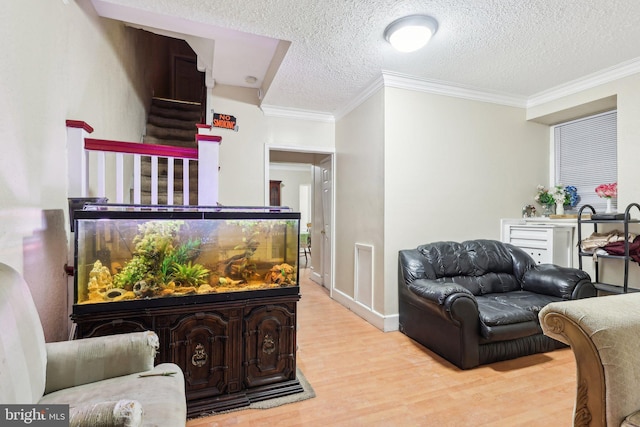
(365, 377)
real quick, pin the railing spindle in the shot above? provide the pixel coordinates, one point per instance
(137, 181)
(185, 181)
(170, 186)
(154, 180)
(138, 150)
(119, 178)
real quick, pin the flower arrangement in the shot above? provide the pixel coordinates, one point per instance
(571, 195)
(544, 196)
(607, 191)
(565, 195)
(559, 195)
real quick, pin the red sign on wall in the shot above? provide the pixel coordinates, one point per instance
(224, 121)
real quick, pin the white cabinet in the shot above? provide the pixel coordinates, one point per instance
(546, 243)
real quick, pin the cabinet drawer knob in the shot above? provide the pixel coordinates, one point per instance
(199, 357)
(268, 344)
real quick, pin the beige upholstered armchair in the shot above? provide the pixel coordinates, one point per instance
(604, 334)
(105, 381)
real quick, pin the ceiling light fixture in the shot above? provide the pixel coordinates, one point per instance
(411, 32)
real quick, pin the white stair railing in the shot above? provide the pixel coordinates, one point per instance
(81, 149)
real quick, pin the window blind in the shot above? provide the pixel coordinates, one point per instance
(586, 156)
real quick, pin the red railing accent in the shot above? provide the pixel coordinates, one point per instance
(142, 149)
(79, 124)
(210, 138)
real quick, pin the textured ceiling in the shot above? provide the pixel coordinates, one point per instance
(518, 48)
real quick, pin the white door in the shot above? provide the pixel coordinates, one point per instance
(325, 174)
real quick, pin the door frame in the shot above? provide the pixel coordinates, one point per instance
(321, 151)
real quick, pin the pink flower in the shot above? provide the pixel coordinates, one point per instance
(607, 190)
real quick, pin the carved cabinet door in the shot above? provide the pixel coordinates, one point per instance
(270, 344)
(200, 346)
(99, 328)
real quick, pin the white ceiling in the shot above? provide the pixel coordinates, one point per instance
(519, 49)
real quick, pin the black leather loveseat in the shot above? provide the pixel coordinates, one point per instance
(477, 302)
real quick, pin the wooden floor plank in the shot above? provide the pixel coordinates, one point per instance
(365, 377)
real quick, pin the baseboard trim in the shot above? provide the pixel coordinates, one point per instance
(384, 323)
(317, 278)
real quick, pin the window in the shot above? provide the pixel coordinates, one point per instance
(586, 156)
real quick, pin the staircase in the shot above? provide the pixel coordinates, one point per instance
(173, 123)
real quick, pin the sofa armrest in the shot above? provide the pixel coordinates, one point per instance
(121, 413)
(563, 282)
(72, 363)
(441, 295)
(603, 335)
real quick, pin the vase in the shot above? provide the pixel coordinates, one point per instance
(559, 209)
(609, 207)
(548, 209)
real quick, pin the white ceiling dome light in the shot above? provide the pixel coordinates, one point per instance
(411, 32)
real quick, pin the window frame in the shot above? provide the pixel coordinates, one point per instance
(598, 204)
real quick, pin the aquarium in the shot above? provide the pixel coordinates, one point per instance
(156, 254)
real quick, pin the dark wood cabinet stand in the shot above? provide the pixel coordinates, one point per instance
(232, 352)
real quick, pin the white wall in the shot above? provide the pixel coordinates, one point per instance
(242, 163)
(60, 61)
(360, 196)
(626, 92)
(453, 168)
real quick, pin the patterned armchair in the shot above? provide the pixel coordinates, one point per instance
(106, 381)
(603, 334)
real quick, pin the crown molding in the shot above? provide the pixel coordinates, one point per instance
(401, 81)
(366, 93)
(624, 69)
(294, 113)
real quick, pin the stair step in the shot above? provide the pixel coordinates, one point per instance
(175, 104)
(169, 134)
(166, 122)
(192, 116)
(171, 123)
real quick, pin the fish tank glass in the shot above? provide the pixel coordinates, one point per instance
(128, 253)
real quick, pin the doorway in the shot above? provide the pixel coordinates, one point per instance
(320, 198)
(187, 81)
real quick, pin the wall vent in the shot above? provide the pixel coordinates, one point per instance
(363, 272)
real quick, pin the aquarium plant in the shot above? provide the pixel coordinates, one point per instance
(160, 260)
(189, 274)
(242, 265)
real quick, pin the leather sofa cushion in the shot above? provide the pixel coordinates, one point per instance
(506, 316)
(481, 266)
(469, 258)
(488, 283)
